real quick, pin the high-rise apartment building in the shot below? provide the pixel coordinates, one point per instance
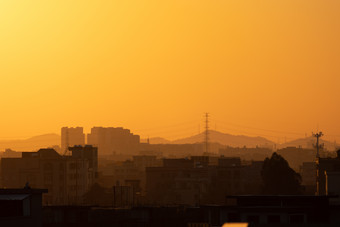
(72, 137)
(114, 140)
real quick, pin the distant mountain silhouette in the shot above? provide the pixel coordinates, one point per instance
(227, 139)
(241, 140)
(31, 144)
(49, 140)
(221, 138)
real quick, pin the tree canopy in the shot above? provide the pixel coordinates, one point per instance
(278, 178)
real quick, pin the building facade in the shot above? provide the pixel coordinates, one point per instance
(21, 207)
(324, 166)
(114, 141)
(67, 178)
(194, 181)
(71, 137)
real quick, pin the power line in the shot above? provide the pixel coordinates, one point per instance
(254, 134)
(261, 129)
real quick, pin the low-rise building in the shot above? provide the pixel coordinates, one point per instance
(308, 177)
(21, 207)
(182, 181)
(67, 178)
(324, 166)
(277, 210)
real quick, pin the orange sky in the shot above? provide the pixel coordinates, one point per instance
(259, 67)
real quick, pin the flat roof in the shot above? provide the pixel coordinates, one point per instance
(13, 197)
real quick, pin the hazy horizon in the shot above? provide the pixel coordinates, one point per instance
(212, 132)
(269, 69)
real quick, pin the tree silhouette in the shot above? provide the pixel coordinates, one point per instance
(278, 178)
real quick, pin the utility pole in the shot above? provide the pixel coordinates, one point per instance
(206, 132)
(318, 135)
(318, 146)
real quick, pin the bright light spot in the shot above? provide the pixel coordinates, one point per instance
(235, 225)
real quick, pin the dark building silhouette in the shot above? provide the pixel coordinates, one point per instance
(177, 182)
(89, 153)
(67, 178)
(21, 207)
(123, 196)
(255, 210)
(229, 161)
(308, 177)
(329, 175)
(205, 160)
(189, 182)
(245, 153)
(279, 210)
(138, 216)
(128, 173)
(180, 150)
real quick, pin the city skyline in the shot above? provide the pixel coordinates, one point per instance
(193, 129)
(169, 113)
(71, 136)
(175, 132)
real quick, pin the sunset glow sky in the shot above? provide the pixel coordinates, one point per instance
(269, 68)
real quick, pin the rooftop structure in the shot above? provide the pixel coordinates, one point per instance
(21, 207)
